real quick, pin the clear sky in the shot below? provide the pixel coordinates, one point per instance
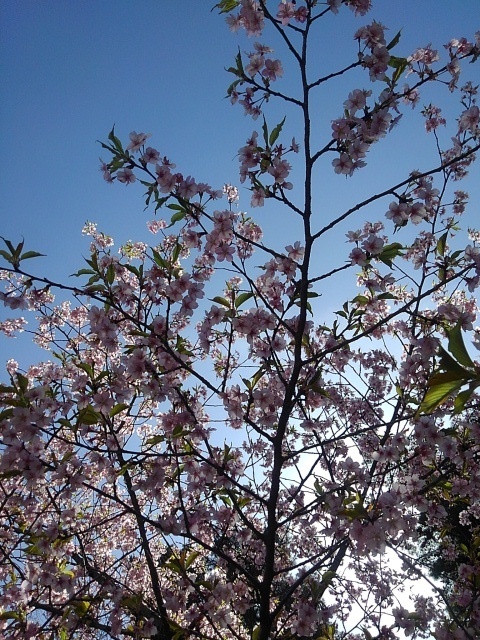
(71, 69)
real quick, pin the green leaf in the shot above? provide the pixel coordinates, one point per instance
(394, 41)
(106, 146)
(328, 576)
(176, 251)
(33, 550)
(361, 299)
(179, 431)
(81, 607)
(154, 440)
(180, 215)
(233, 86)
(389, 252)
(462, 399)
(175, 565)
(449, 376)
(276, 132)
(265, 131)
(447, 363)
(19, 249)
(243, 297)
(160, 201)
(31, 254)
(118, 408)
(256, 377)
(123, 469)
(9, 615)
(110, 274)
(455, 255)
(438, 393)
(456, 346)
(157, 258)
(395, 62)
(83, 272)
(225, 6)
(93, 262)
(191, 558)
(88, 416)
(441, 244)
(223, 301)
(399, 64)
(9, 245)
(65, 423)
(399, 71)
(96, 287)
(22, 382)
(113, 138)
(133, 269)
(238, 60)
(92, 280)
(8, 257)
(87, 368)
(62, 634)
(387, 296)
(233, 70)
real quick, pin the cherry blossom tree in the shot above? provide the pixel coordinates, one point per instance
(199, 456)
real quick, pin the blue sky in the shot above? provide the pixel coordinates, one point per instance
(72, 69)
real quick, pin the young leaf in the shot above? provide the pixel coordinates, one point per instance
(151, 442)
(88, 416)
(389, 252)
(159, 260)
(31, 254)
(461, 400)
(83, 272)
(113, 138)
(191, 558)
(438, 393)
(225, 6)
(238, 60)
(243, 297)
(456, 346)
(180, 215)
(8, 257)
(118, 408)
(110, 274)
(394, 41)
(265, 131)
(9, 245)
(276, 132)
(223, 301)
(441, 244)
(450, 365)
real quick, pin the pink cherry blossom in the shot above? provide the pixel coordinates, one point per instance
(126, 176)
(273, 69)
(469, 120)
(285, 13)
(137, 140)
